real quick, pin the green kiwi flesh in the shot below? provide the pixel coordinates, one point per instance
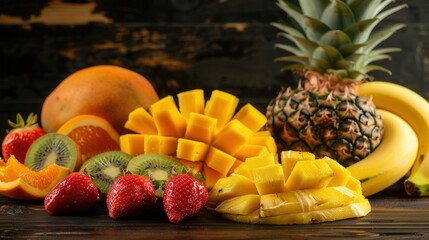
(156, 167)
(52, 148)
(104, 168)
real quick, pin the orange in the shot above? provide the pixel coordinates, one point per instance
(108, 91)
(92, 134)
(20, 182)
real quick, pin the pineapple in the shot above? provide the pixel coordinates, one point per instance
(332, 48)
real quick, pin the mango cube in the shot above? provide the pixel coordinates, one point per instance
(250, 151)
(191, 150)
(290, 158)
(196, 166)
(269, 179)
(160, 144)
(309, 174)
(191, 102)
(132, 143)
(219, 160)
(140, 121)
(241, 205)
(163, 103)
(251, 117)
(266, 141)
(229, 187)
(200, 128)
(169, 122)
(232, 137)
(263, 159)
(221, 106)
(236, 164)
(211, 176)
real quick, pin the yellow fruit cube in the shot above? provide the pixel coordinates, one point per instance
(354, 184)
(196, 166)
(160, 144)
(232, 137)
(269, 179)
(266, 141)
(200, 128)
(140, 121)
(191, 101)
(191, 150)
(221, 106)
(309, 174)
(250, 151)
(289, 159)
(251, 117)
(243, 171)
(163, 103)
(241, 205)
(229, 187)
(341, 174)
(236, 164)
(219, 160)
(132, 143)
(263, 159)
(169, 122)
(211, 176)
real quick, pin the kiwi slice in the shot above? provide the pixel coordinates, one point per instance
(104, 168)
(157, 167)
(52, 148)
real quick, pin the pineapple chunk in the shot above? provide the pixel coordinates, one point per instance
(306, 200)
(219, 160)
(200, 128)
(221, 106)
(263, 159)
(191, 102)
(191, 150)
(241, 205)
(354, 184)
(232, 137)
(341, 174)
(290, 158)
(169, 122)
(309, 174)
(160, 144)
(356, 209)
(251, 117)
(211, 176)
(140, 121)
(229, 187)
(269, 179)
(132, 143)
(243, 171)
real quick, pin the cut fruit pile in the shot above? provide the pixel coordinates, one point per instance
(210, 137)
(299, 190)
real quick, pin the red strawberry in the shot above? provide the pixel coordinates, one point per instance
(19, 139)
(130, 195)
(76, 193)
(184, 197)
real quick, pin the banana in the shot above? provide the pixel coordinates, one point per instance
(391, 160)
(414, 109)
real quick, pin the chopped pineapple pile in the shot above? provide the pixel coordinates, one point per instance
(299, 190)
(209, 136)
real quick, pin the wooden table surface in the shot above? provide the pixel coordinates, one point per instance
(393, 216)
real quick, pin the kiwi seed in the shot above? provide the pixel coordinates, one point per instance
(104, 168)
(52, 148)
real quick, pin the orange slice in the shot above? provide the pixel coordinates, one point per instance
(92, 134)
(20, 182)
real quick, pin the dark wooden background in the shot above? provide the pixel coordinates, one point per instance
(177, 44)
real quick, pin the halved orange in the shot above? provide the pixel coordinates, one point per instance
(20, 182)
(92, 134)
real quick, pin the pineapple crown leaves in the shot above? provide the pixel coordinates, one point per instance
(333, 35)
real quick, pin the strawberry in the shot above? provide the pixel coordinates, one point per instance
(18, 140)
(76, 193)
(184, 196)
(130, 195)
